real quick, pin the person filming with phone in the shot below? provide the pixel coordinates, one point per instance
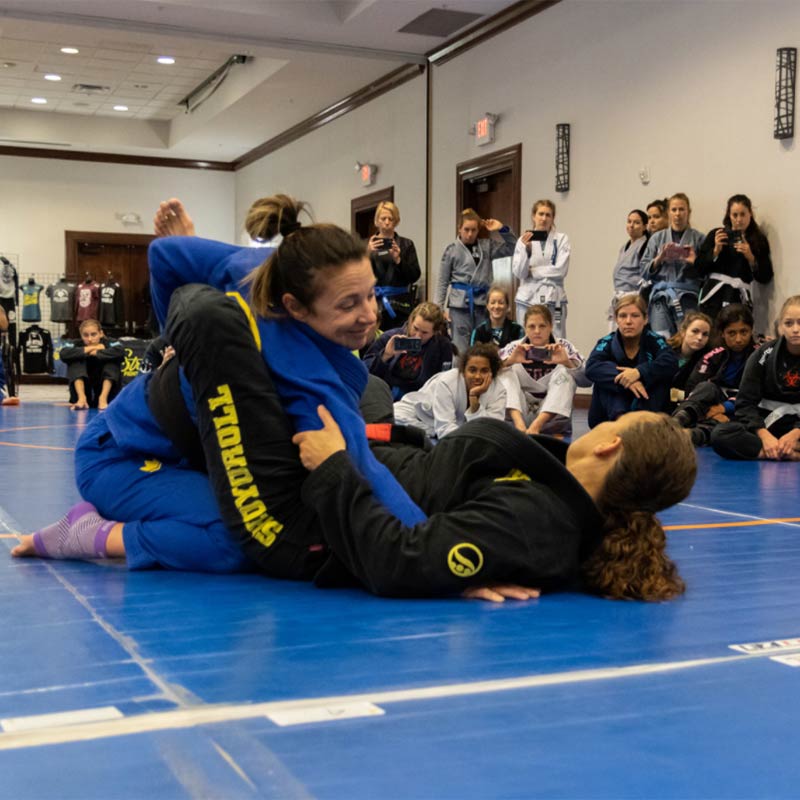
(544, 372)
(406, 357)
(731, 257)
(395, 265)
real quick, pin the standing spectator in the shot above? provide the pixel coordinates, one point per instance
(731, 257)
(407, 365)
(541, 262)
(466, 273)
(396, 267)
(657, 217)
(627, 275)
(667, 263)
(92, 367)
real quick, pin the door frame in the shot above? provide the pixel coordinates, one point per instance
(72, 240)
(358, 204)
(499, 161)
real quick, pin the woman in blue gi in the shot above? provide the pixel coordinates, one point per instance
(632, 368)
(144, 499)
(483, 486)
(541, 262)
(668, 264)
(466, 273)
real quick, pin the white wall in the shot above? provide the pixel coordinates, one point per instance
(319, 168)
(683, 87)
(41, 198)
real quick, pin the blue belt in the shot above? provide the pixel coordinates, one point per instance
(471, 290)
(383, 293)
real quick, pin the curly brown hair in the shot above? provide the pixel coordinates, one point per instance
(656, 469)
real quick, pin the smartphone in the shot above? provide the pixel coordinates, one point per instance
(733, 236)
(538, 236)
(387, 243)
(537, 354)
(408, 344)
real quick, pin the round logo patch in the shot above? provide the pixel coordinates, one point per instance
(464, 560)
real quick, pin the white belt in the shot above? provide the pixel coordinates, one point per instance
(778, 410)
(735, 283)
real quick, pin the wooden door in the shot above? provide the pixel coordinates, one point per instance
(122, 257)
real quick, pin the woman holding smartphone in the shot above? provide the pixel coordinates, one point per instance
(541, 262)
(543, 376)
(668, 263)
(406, 357)
(395, 265)
(731, 258)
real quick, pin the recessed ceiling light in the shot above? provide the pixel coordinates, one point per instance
(9, 64)
(70, 50)
(40, 101)
(120, 108)
(165, 60)
(52, 77)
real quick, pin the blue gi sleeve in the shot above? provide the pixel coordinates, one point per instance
(179, 260)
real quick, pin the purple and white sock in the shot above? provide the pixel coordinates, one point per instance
(80, 533)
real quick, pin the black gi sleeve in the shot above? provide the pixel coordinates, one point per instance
(408, 270)
(71, 353)
(507, 532)
(751, 390)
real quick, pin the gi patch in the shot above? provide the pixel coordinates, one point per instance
(464, 560)
(150, 465)
(514, 475)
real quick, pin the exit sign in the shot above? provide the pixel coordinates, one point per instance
(484, 129)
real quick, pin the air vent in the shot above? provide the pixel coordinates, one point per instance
(440, 22)
(90, 88)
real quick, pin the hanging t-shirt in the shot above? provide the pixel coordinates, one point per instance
(9, 281)
(87, 301)
(31, 308)
(36, 345)
(62, 300)
(111, 308)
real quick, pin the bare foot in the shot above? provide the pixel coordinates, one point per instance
(80, 404)
(102, 403)
(172, 219)
(25, 547)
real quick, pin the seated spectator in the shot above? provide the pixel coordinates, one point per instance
(690, 344)
(396, 267)
(92, 367)
(731, 257)
(766, 422)
(712, 387)
(667, 264)
(451, 398)
(544, 373)
(499, 328)
(407, 365)
(632, 368)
